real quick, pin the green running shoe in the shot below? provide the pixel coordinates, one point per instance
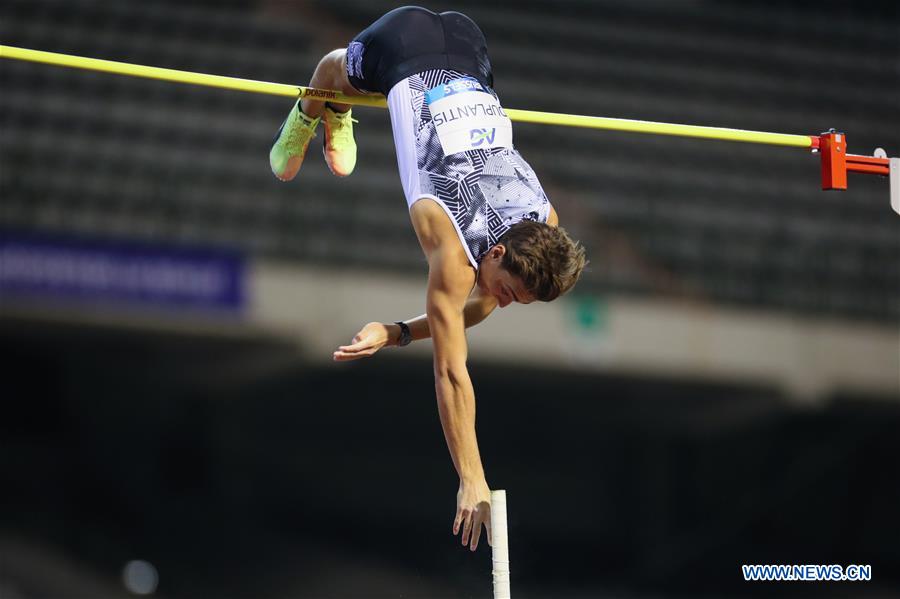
(339, 147)
(290, 145)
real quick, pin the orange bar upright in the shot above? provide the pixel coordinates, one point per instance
(833, 149)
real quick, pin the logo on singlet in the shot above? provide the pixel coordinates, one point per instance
(457, 86)
(479, 136)
(466, 116)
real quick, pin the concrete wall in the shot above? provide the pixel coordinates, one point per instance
(807, 357)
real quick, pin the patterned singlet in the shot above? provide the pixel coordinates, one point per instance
(454, 145)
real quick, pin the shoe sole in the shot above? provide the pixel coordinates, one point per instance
(274, 141)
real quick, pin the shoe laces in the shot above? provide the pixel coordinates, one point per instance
(299, 134)
(342, 129)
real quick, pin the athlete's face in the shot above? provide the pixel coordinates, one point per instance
(498, 282)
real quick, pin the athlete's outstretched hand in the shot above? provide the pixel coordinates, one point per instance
(473, 508)
(369, 340)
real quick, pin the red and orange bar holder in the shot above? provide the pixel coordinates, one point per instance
(836, 162)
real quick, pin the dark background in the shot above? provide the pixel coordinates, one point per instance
(240, 470)
(336, 482)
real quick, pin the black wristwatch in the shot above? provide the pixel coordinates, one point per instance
(405, 334)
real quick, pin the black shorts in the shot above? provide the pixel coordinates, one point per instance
(411, 40)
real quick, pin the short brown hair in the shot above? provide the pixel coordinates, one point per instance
(548, 261)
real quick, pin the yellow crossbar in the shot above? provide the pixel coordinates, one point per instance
(293, 91)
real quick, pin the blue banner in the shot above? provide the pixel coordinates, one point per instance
(75, 269)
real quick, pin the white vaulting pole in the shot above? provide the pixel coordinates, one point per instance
(500, 553)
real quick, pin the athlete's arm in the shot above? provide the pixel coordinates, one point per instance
(479, 306)
(375, 335)
(449, 280)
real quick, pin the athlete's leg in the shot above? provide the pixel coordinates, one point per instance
(289, 149)
(340, 147)
(330, 73)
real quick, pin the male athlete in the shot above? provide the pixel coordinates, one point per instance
(485, 224)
